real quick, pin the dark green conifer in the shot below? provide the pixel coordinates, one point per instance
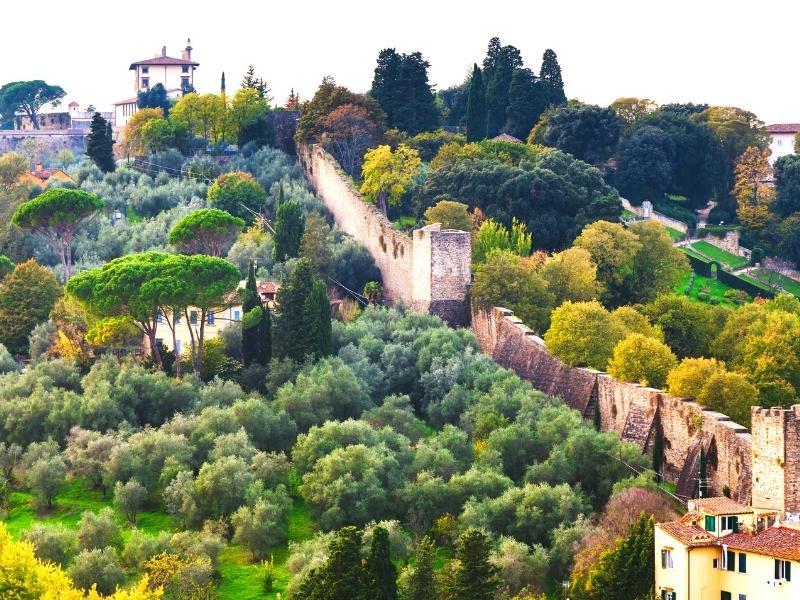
(475, 576)
(295, 334)
(251, 325)
(476, 108)
(550, 77)
(381, 572)
(100, 145)
(289, 225)
(421, 583)
(318, 319)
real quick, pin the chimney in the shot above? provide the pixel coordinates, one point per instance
(163, 50)
(187, 52)
(38, 168)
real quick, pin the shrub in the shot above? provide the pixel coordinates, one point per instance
(583, 334)
(265, 525)
(691, 375)
(53, 543)
(97, 567)
(129, 498)
(98, 530)
(45, 478)
(141, 547)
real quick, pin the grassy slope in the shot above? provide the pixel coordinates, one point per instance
(790, 285)
(712, 286)
(726, 258)
(241, 578)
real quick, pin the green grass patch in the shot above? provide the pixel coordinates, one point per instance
(707, 285)
(727, 259)
(754, 281)
(405, 221)
(689, 252)
(131, 215)
(787, 283)
(674, 234)
(629, 214)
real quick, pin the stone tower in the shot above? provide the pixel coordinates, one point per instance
(776, 459)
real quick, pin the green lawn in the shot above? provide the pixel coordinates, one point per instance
(790, 285)
(405, 221)
(131, 215)
(708, 285)
(674, 233)
(627, 214)
(688, 251)
(727, 259)
(754, 281)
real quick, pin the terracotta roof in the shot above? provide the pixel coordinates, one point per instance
(268, 287)
(690, 517)
(689, 535)
(780, 542)
(163, 60)
(784, 128)
(720, 506)
(504, 137)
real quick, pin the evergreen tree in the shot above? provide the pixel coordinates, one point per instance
(526, 103)
(498, 69)
(289, 225)
(476, 108)
(627, 572)
(100, 145)
(265, 337)
(342, 577)
(381, 572)
(294, 333)
(318, 318)
(550, 77)
(401, 87)
(154, 97)
(421, 583)
(250, 327)
(222, 83)
(475, 576)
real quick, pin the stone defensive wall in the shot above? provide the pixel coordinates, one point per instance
(656, 422)
(429, 271)
(53, 139)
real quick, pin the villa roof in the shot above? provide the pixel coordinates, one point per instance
(268, 287)
(720, 506)
(163, 60)
(780, 542)
(505, 137)
(688, 535)
(784, 128)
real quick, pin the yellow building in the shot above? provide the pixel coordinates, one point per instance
(41, 177)
(216, 321)
(723, 550)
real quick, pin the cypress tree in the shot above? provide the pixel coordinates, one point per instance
(100, 145)
(381, 572)
(421, 583)
(318, 319)
(526, 103)
(265, 337)
(250, 327)
(550, 78)
(294, 333)
(289, 225)
(476, 108)
(343, 576)
(475, 577)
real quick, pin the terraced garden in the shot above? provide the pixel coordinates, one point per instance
(727, 259)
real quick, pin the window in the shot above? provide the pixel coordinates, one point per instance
(779, 142)
(729, 523)
(725, 596)
(210, 318)
(184, 68)
(159, 342)
(237, 316)
(742, 562)
(665, 595)
(711, 523)
(666, 558)
(742, 597)
(193, 317)
(184, 81)
(783, 569)
(145, 82)
(145, 70)
(715, 563)
(160, 316)
(730, 560)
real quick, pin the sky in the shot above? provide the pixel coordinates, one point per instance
(735, 52)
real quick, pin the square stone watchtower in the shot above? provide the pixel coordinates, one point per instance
(776, 459)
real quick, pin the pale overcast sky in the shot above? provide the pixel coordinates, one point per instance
(734, 52)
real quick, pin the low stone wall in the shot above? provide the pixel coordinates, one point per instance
(73, 140)
(429, 271)
(656, 216)
(638, 414)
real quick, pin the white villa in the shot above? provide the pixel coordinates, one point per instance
(175, 74)
(782, 142)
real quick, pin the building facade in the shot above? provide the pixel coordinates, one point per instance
(724, 550)
(175, 74)
(782, 139)
(58, 117)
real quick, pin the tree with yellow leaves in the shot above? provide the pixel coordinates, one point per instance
(24, 577)
(387, 174)
(752, 190)
(133, 141)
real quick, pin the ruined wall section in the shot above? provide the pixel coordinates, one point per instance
(636, 413)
